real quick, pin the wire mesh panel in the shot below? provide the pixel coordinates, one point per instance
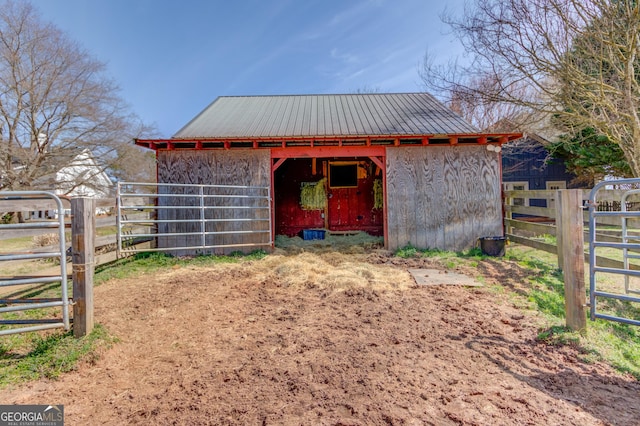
(193, 219)
(13, 303)
(614, 261)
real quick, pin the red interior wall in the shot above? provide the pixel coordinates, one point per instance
(349, 209)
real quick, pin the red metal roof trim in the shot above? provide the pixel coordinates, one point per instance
(311, 142)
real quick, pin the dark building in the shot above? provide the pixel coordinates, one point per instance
(527, 165)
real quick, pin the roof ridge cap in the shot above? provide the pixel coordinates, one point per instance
(323, 94)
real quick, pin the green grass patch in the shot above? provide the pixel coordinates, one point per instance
(409, 251)
(26, 357)
(546, 238)
(146, 263)
(106, 230)
(16, 244)
(449, 259)
(615, 343)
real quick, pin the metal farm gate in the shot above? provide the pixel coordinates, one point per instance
(10, 303)
(184, 219)
(604, 292)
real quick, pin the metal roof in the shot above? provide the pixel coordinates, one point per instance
(373, 114)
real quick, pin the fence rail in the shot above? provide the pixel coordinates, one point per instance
(611, 225)
(77, 250)
(194, 219)
(525, 224)
(59, 275)
(629, 248)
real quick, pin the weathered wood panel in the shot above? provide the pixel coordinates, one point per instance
(233, 167)
(83, 235)
(238, 168)
(443, 197)
(433, 220)
(454, 191)
(487, 194)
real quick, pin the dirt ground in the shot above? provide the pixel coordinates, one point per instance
(329, 339)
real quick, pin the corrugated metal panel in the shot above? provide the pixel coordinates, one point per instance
(324, 116)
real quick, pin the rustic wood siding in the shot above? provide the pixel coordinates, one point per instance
(443, 197)
(237, 167)
(234, 167)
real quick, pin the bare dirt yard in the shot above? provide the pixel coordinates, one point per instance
(330, 339)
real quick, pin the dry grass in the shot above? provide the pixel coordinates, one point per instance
(332, 264)
(44, 240)
(351, 243)
(330, 270)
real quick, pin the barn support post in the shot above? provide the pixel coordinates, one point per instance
(572, 239)
(83, 225)
(381, 163)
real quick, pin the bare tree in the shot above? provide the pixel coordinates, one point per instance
(573, 62)
(486, 114)
(134, 164)
(55, 100)
(367, 89)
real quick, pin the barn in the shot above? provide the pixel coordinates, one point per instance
(398, 165)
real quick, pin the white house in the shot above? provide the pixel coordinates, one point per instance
(81, 177)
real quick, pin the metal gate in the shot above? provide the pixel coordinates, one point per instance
(621, 215)
(183, 219)
(10, 303)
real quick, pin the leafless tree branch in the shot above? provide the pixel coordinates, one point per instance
(55, 99)
(574, 60)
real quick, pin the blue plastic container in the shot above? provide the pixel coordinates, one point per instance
(313, 234)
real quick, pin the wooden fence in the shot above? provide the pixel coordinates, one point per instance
(562, 214)
(525, 224)
(105, 225)
(557, 214)
(86, 248)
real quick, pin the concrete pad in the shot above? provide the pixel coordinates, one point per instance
(439, 277)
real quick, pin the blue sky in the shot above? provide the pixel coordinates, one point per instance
(173, 58)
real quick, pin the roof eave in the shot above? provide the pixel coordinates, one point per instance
(256, 142)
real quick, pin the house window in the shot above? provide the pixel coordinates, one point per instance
(343, 174)
(554, 185)
(517, 186)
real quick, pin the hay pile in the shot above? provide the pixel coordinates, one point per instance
(354, 243)
(331, 271)
(334, 264)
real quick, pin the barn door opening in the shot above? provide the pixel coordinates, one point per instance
(339, 195)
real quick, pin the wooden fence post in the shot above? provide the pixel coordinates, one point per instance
(508, 203)
(572, 239)
(559, 241)
(83, 225)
